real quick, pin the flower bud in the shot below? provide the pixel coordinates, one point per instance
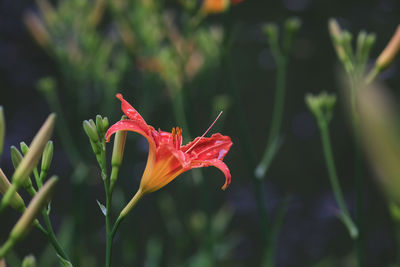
(34, 208)
(90, 130)
(16, 201)
(118, 149)
(47, 156)
(390, 51)
(271, 31)
(99, 125)
(30, 160)
(292, 25)
(29, 261)
(37, 29)
(321, 105)
(16, 159)
(35, 150)
(2, 129)
(105, 124)
(24, 148)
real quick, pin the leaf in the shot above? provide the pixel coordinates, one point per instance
(64, 262)
(103, 209)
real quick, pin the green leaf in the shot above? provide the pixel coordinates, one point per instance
(103, 209)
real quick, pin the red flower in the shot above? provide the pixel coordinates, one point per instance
(167, 157)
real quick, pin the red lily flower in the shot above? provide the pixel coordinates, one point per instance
(167, 157)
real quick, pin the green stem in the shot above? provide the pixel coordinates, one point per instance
(108, 224)
(52, 237)
(277, 115)
(333, 178)
(269, 257)
(359, 181)
(372, 75)
(6, 247)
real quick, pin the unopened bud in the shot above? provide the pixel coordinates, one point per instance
(118, 149)
(37, 29)
(2, 129)
(99, 125)
(35, 150)
(90, 130)
(334, 28)
(390, 51)
(34, 208)
(292, 25)
(371, 37)
(24, 148)
(46, 85)
(47, 156)
(271, 31)
(16, 201)
(321, 105)
(29, 261)
(105, 124)
(16, 159)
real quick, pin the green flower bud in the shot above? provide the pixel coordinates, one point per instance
(105, 124)
(35, 150)
(321, 105)
(118, 149)
(40, 200)
(24, 148)
(16, 201)
(2, 129)
(16, 159)
(99, 125)
(46, 85)
(292, 25)
(29, 261)
(90, 130)
(271, 31)
(31, 158)
(47, 156)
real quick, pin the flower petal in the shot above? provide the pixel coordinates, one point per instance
(214, 147)
(130, 125)
(169, 163)
(216, 163)
(130, 111)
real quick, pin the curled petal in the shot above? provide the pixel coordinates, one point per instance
(130, 111)
(128, 125)
(214, 147)
(218, 164)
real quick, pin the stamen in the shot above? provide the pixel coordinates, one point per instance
(209, 128)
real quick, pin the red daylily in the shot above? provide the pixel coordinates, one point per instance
(167, 157)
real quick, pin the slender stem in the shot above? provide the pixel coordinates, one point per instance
(372, 75)
(269, 257)
(358, 174)
(6, 247)
(52, 237)
(333, 178)
(277, 115)
(115, 227)
(108, 224)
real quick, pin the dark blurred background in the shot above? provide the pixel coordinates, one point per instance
(311, 234)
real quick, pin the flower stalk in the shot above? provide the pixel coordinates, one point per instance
(322, 108)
